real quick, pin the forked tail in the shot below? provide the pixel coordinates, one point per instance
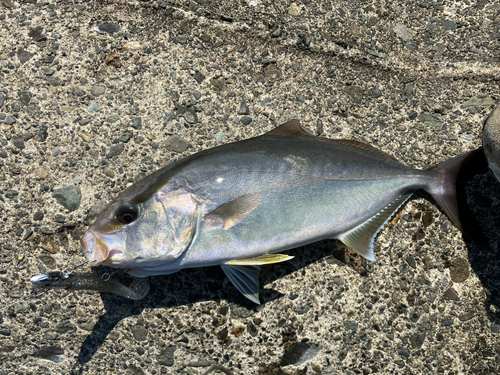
(453, 174)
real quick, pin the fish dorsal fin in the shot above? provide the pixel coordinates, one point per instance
(361, 237)
(291, 128)
(232, 212)
(261, 260)
(361, 145)
(245, 279)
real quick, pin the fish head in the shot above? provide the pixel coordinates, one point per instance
(131, 232)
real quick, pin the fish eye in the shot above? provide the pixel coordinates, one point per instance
(127, 213)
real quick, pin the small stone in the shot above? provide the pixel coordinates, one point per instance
(166, 356)
(92, 107)
(98, 90)
(355, 93)
(404, 32)
(132, 46)
(115, 150)
(50, 353)
(495, 328)
(219, 84)
(111, 119)
(376, 93)
(24, 56)
(108, 28)
(450, 25)
(299, 353)
(240, 312)
(411, 261)
(271, 72)
(199, 76)
(417, 340)
(48, 71)
(219, 137)
(140, 332)
(37, 34)
(459, 270)
(95, 211)
(431, 119)
(137, 123)
(294, 10)
(48, 244)
(404, 352)
(188, 114)
(351, 325)
(451, 295)
(69, 197)
(176, 144)
(38, 216)
(10, 120)
(243, 108)
(476, 101)
(109, 172)
(447, 322)
(65, 327)
(246, 120)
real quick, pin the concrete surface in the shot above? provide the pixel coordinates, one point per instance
(83, 114)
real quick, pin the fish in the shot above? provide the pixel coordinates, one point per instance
(90, 281)
(242, 205)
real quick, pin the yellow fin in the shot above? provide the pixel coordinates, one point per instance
(261, 260)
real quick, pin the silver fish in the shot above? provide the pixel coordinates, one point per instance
(242, 204)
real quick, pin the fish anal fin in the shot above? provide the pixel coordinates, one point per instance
(245, 279)
(361, 237)
(231, 213)
(261, 260)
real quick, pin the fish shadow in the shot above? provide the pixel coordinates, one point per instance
(483, 198)
(480, 216)
(190, 286)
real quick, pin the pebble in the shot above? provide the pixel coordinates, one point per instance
(92, 107)
(451, 295)
(477, 101)
(166, 356)
(115, 150)
(108, 28)
(65, 327)
(137, 123)
(431, 119)
(294, 10)
(243, 108)
(450, 25)
(355, 93)
(404, 352)
(176, 144)
(219, 137)
(139, 332)
(404, 32)
(299, 353)
(98, 90)
(188, 114)
(69, 197)
(459, 270)
(246, 120)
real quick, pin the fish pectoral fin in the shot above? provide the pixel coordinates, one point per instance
(361, 237)
(261, 260)
(245, 279)
(231, 213)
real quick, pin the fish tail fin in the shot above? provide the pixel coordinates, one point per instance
(449, 191)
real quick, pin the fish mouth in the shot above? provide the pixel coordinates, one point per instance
(99, 248)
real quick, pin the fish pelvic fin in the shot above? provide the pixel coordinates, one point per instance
(231, 213)
(449, 191)
(245, 279)
(361, 238)
(261, 260)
